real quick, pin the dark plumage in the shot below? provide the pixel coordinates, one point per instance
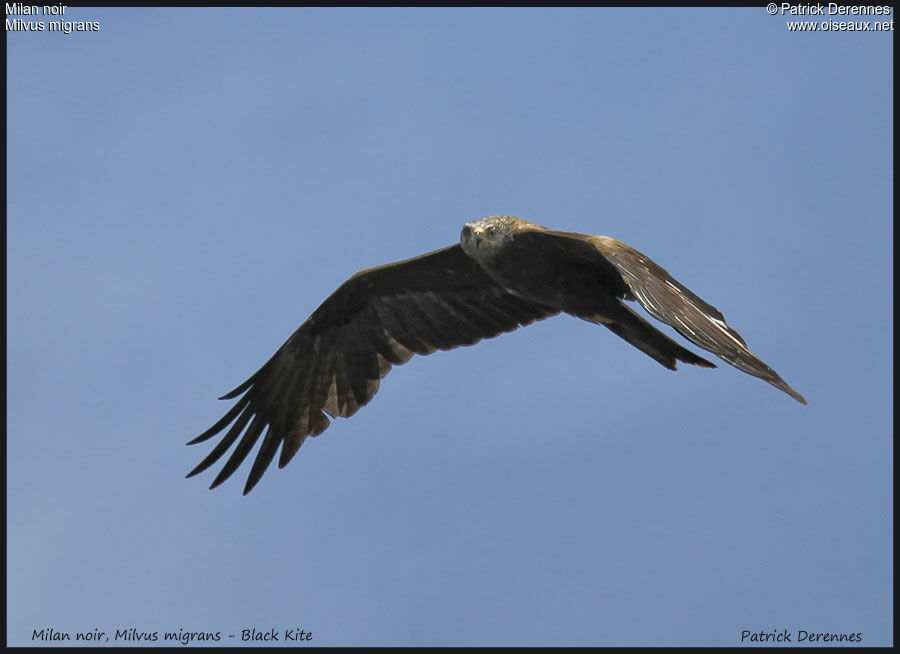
(505, 273)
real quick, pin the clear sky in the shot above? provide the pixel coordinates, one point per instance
(185, 186)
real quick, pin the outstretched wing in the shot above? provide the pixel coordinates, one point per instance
(667, 300)
(332, 364)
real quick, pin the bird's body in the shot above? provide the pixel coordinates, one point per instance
(567, 274)
(505, 273)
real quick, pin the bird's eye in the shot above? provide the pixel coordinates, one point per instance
(489, 229)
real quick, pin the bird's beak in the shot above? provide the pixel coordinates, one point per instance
(478, 235)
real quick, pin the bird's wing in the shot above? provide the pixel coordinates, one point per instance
(332, 364)
(667, 300)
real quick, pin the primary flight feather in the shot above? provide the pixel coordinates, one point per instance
(504, 273)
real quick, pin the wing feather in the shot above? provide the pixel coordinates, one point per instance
(404, 326)
(334, 362)
(667, 300)
(226, 441)
(472, 315)
(240, 452)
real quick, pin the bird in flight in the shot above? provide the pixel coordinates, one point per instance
(504, 273)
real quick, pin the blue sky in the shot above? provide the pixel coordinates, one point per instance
(185, 186)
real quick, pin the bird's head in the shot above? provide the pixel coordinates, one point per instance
(482, 238)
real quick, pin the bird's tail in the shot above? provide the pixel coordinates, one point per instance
(628, 325)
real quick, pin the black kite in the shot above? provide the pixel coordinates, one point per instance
(505, 272)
